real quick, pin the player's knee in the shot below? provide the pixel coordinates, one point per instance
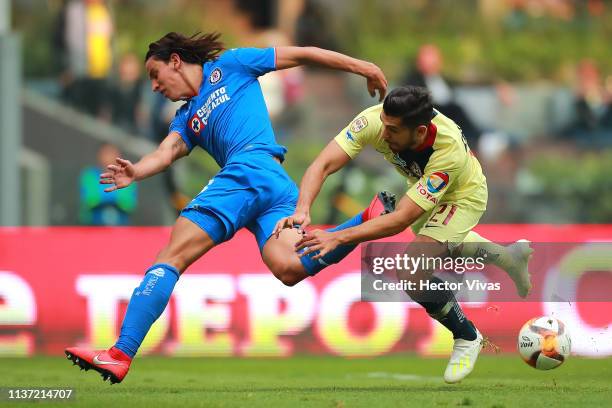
(288, 275)
(289, 280)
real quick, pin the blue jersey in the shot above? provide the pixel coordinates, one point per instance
(229, 115)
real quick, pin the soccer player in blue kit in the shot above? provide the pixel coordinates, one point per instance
(225, 114)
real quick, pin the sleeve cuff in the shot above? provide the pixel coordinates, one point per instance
(340, 140)
(185, 139)
(421, 200)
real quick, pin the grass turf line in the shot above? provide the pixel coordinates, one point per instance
(314, 381)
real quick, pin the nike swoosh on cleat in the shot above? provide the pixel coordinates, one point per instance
(97, 361)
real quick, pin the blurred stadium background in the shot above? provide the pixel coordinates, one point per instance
(530, 81)
(533, 78)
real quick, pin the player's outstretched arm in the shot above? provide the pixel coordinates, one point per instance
(123, 172)
(288, 57)
(406, 212)
(330, 160)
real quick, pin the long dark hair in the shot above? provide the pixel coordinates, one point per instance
(197, 49)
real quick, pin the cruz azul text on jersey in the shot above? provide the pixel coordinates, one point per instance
(215, 99)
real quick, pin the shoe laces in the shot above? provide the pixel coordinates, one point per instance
(488, 344)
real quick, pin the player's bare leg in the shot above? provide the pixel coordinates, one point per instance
(442, 306)
(281, 258)
(188, 242)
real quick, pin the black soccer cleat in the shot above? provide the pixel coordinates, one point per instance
(382, 203)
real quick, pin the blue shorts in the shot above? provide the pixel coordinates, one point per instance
(253, 191)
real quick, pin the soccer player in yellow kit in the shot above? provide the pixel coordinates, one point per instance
(447, 195)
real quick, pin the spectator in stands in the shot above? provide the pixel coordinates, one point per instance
(98, 207)
(126, 94)
(87, 34)
(593, 106)
(427, 72)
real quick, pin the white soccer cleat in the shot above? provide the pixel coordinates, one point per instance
(521, 252)
(462, 360)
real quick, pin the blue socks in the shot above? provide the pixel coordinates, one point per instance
(313, 266)
(353, 222)
(146, 305)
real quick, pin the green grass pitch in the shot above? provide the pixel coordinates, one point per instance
(313, 381)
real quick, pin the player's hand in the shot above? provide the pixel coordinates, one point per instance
(376, 81)
(319, 241)
(300, 219)
(121, 175)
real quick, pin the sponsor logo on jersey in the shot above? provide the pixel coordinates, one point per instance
(349, 136)
(358, 124)
(215, 76)
(423, 191)
(196, 124)
(437, 181)
(216, 98)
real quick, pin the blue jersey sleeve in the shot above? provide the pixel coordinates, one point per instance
(256, 61)
(181, 125)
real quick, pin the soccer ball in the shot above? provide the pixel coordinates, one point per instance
(544, 343)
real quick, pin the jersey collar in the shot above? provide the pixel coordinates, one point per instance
(432, 130)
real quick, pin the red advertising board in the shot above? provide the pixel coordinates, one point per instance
(69, 286)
